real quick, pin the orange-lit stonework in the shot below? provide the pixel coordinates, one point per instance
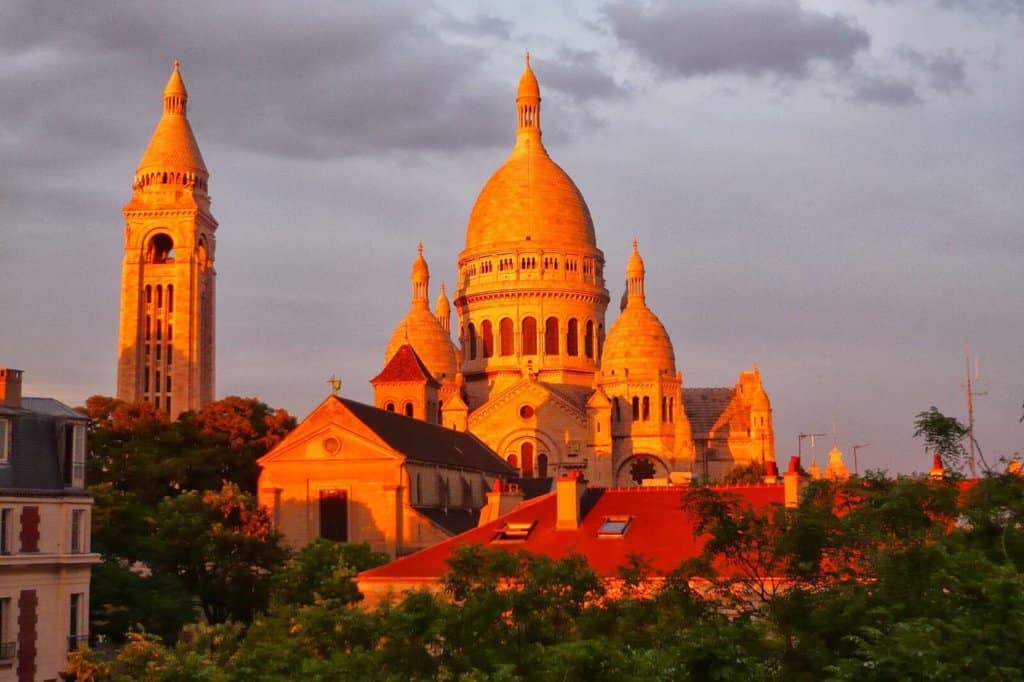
(166, 339)
(535, 376)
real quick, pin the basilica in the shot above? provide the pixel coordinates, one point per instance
(535, 373)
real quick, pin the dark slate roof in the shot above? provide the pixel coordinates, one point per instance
(34, 461)
(576, 396)
(534, 487)
(405, 366)
(704, 406)
(453, 520)
(424, 442)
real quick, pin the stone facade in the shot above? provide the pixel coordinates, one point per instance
(166, 339)
(535, 375)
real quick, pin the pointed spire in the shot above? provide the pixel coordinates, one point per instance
(175, 94)
(420, 279)
(172, 156)
(635, 278)
(528, 104)
(443, 309)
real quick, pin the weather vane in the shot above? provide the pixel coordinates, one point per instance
(335, 384)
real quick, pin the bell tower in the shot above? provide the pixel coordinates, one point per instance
(166, 340)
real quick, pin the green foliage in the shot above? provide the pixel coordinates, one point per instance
(222, 547)
(942, 434)
(323, 570)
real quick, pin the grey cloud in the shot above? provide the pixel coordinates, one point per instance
(884, 90)
(780, 38)
(946, 72)
(996, 7)
(480, 25)
(579, 74)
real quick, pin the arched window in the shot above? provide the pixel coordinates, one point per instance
(408, 409)
(647, 409)
(513, 461)
(529, 341)
(488, 338)
(572, 338)
(170, 298)
(506, 337)
(159, 296)
(149, 293)
(671, 409)
(390, 407)
(664, 408)
(588, 340)
(542, 465)
(636, 408)
(551, 336)
(471, 341)
(526, 451)
(160, 250)
(618, 409)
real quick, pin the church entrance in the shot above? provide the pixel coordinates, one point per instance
(334, 515)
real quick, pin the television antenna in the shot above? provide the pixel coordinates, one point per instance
(856, 471)
(970, 408)
(799, 445)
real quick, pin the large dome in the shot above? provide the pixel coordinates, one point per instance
(530, 198)
(424, 333)
(638, 342)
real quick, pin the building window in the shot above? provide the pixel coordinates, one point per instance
(471, 342)
(488, 338)
(5, 439)
(551, 336)
(636, 408)
(408, 409)
(506, 333)
(8, 645)
(390, 407)
(526, 451)
(529, 341)
(6, 530)
(572, 338)
(647, 409)
(513, 461)
(588, 340)
(542, 465)
(76, 612)
(77, 528)
(334, 515)
(614, 526)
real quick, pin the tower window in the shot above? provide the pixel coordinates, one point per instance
(160, 250)
(529, 341)
(170, 298)
(636, 408)
(664, 409)
(671, 409)
(149, 294)
(471, 331)
(588, 340)
(527, 453)
(572, 338)
(551, 336)
(488, 333)
(647, 408)
(159, 296)
(408, 409)
(506, 333)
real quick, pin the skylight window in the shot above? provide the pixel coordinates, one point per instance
(614, 526)
(515, 531)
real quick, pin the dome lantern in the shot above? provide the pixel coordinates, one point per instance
(420, 279)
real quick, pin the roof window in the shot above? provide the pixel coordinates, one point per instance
(614, 526)
(515, 531)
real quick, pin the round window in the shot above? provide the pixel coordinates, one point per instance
(526, 411)
(332, 445)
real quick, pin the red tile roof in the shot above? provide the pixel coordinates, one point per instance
(404, 365)
(660, 530)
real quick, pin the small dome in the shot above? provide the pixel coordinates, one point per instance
(443, 305)
(638, 342)
(175, 85)
(528, 86)
(432, 343)
(635, 265)
(420, 271)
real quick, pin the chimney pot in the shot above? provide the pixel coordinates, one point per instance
(10, 387)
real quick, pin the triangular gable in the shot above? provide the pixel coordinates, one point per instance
(521, 390)
(405, 366)
(329, 416)
(599, 399)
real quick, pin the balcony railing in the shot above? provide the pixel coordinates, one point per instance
(8, 650)
(76, 641)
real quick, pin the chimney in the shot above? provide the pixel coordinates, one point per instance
(502, 499)
(793, 480)
(568, 492)
(938, 471)
(771, 472)
(10, 387)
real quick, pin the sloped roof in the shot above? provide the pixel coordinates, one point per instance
(453, 520)
(34, 465)
(704, 406)
(424, 442)
(404, 366)
(660, 530)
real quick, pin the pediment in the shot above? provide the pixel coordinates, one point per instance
(527, 392)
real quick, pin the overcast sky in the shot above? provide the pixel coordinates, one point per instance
(832, 190)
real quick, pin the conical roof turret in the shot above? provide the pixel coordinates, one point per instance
(443, 309)
(173, 147)
(420, 278)
(528, 86)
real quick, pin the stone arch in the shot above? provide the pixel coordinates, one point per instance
(643, 465)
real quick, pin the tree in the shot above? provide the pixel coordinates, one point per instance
(323, 570)
(942, 434)
(223, 548)
(750, 473)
